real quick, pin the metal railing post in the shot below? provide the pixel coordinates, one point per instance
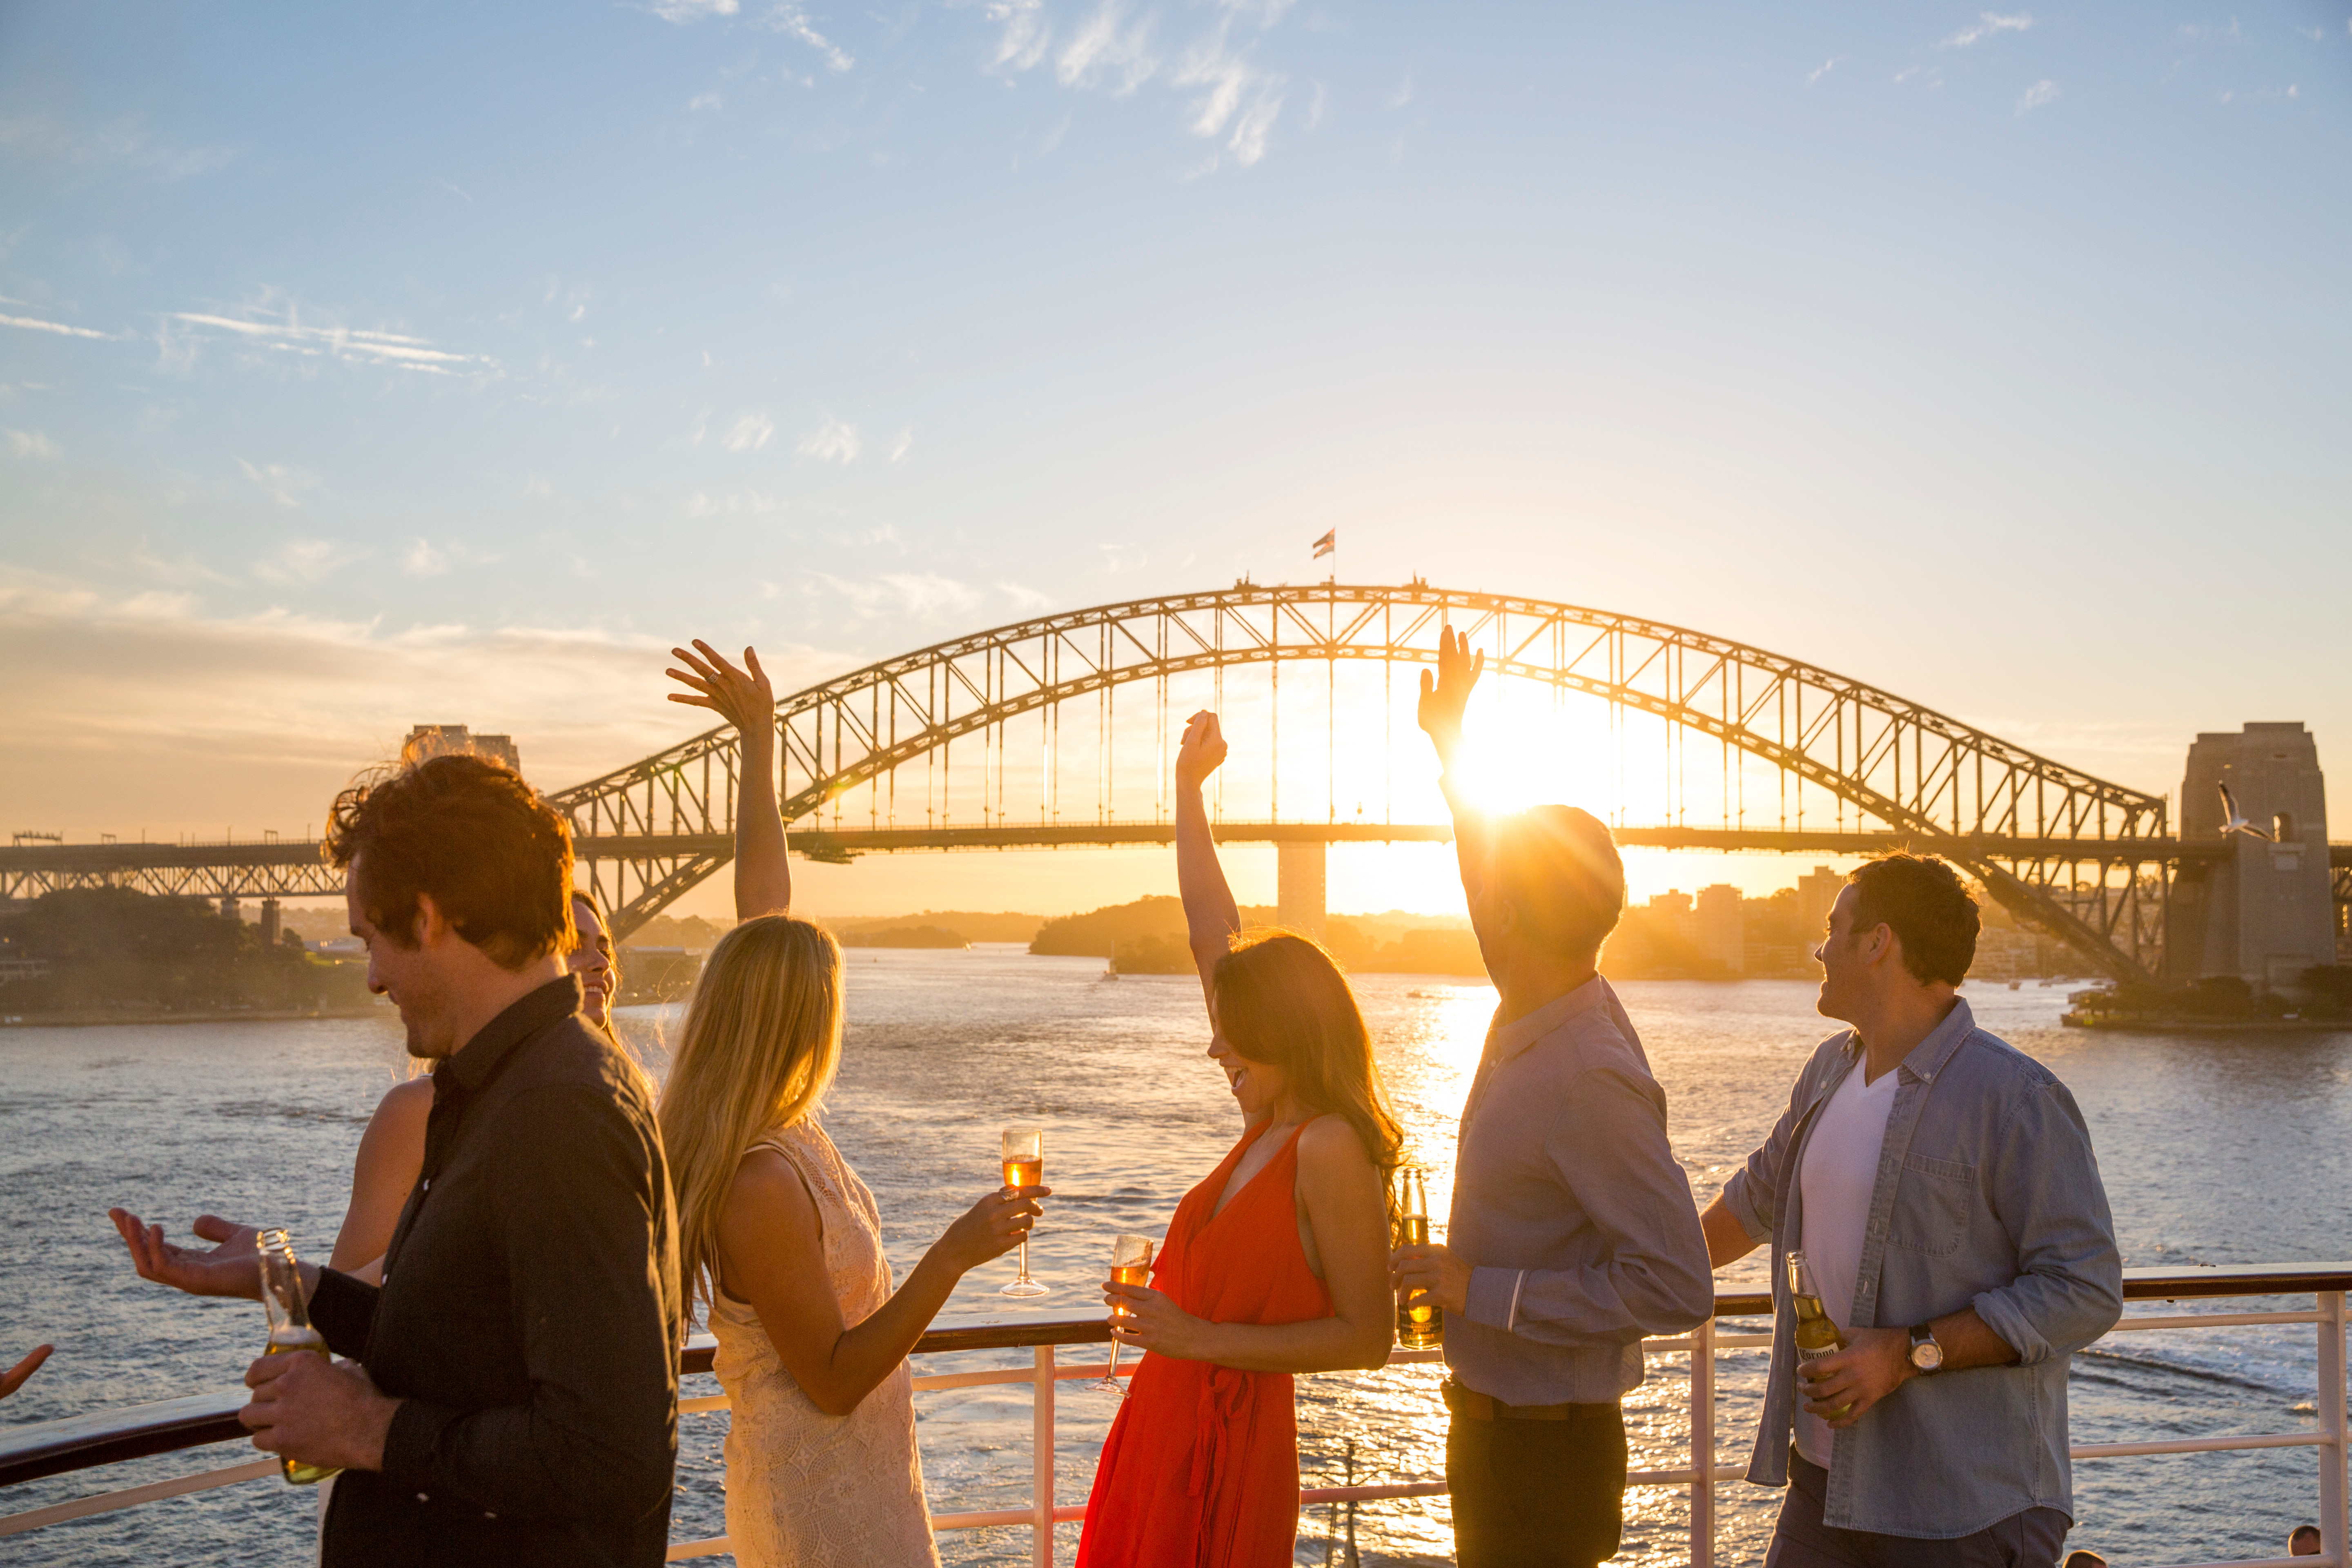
(1041, 1438)
(2332, 1504)
(1702, 1420)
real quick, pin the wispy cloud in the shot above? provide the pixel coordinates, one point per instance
(750, 433)
(705, 100)
(917, 594)
(281, 484)
(1025, 598)
(33, 324)
(792, 20)
(422, 560)
(30, 444)
(1228, 74)
(681, 11)
(903, 445)
(1988, 25)
(122, 142)
(302, 562)
(2041, 92)
(831, 442)
(1025, 33)
(1823, 69)
(290, 334)
(1105, 50)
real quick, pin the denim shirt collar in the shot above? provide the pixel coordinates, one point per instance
(1927, 1057)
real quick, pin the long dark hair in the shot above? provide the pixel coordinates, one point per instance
(1282, 1000)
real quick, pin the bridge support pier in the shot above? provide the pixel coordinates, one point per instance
(1298, 886)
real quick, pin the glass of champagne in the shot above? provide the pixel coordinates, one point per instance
(1420, 1321)
(290, 1332)
(1131, 1263)
(1025, 1166)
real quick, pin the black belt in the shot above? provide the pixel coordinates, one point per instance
(1476, 1406)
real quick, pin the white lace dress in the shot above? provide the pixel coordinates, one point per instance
(804, 1488)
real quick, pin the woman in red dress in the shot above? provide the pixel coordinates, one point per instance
(1277, 1264)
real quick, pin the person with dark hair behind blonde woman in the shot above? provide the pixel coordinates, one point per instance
(1276, 1263)
(777, 1237)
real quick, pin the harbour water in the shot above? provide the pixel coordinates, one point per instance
(2215, 1150)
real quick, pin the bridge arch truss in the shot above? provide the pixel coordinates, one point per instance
(2077, 855)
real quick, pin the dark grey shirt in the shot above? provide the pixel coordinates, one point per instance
(1571, 1209)
(528, 1320)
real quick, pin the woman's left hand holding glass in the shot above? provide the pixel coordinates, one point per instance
(1157, 1324)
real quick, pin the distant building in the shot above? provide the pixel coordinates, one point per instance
(1671, 912)
(1817, 893)
(1722, 935)
(2258, 904)
(455, 740)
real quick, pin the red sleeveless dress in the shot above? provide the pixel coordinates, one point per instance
(1201, 1469)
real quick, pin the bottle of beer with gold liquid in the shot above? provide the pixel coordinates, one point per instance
(290, 1332)
(1817, 1336)
(1420, 1321)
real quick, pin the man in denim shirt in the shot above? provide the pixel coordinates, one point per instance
(1942, 1185)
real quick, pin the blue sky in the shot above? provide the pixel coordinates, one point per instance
(371, 366)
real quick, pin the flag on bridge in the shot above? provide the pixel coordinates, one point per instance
(1327, 544)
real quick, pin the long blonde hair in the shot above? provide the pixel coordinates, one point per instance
(761, 1042)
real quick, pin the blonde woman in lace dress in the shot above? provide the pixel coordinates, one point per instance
(777, 1237)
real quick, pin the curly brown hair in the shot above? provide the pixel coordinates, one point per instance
(470, 835)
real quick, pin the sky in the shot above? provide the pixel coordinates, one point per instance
(369, 366)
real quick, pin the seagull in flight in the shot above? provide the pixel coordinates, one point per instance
(2233, 821)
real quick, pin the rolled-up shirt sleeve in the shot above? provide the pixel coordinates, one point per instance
(1651, 1275)
(1753, 1192)
(2046, 1193)
(578, 1218)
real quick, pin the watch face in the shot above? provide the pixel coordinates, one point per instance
(1926, 1356)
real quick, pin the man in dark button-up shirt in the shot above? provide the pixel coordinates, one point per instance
(527, 1315)
(516, 1398)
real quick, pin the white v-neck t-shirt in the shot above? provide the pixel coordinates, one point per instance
(1838, 1177)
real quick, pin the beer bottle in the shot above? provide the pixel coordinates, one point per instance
(1816, 1335)
(289, 1328)
(1420, 1321)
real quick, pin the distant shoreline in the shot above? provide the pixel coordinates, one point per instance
(92, 1016)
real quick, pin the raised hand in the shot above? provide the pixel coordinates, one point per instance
(741, 697)
(230, 1269)
(1446, 694)
(1202, 751)
(13, 1378)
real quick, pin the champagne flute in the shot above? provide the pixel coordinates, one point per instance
(1131, 1263)
(290, 1332)
(1024, 1167)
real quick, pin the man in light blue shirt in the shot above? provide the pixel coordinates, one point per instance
(1943, 1186)
(1573, 1232)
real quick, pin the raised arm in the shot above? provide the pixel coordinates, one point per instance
(1444, 696)
(1211, 916)
(763, 873)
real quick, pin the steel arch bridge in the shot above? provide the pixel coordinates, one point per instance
(2068, 853)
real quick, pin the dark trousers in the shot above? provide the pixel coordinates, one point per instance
(2028, 1540)
(1537, 1494)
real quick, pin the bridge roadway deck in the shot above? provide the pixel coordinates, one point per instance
(38, 863)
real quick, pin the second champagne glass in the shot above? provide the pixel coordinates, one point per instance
(1131, 1263)
(1025, 1166)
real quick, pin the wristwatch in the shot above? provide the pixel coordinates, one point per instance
(1926, 1356)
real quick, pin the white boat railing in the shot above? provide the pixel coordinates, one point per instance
(106, 1437)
